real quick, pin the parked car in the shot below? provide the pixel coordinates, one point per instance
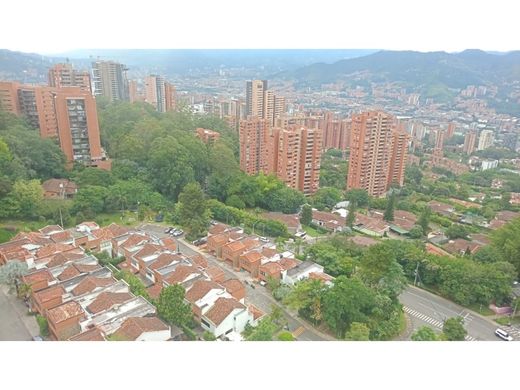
(264, 239)
(213, 222)
(262, 283)
(168, 229)
(200, 241)
(37, 338)
(503, 335)
(300, 234)
(178, 232)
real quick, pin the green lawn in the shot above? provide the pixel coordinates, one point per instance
(6, 235)
(313, 232)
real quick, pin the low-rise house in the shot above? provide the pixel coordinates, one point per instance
(501, 218)
(330, 221)
(370, 225)
(302, 271)
(270, 270)
(142, 329)
(250, 262)
(515, 198)
(202, 294)
(64, 320)
(207, 136)
(215, 273)
(435, 250)
(465, 203)
(441, 208)
(39, 280)
(47, 299)
(235, 288)
(292, 221)
(59, 189)
(325, 278)
(460, 246)
(226, 315)
(473, 219)
(93, 334)
(403, 222)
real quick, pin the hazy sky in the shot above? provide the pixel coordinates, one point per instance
(53, 26)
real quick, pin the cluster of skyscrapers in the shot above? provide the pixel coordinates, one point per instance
(65, 109)
(290, 147)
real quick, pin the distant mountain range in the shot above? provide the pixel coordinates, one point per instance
(414, 68)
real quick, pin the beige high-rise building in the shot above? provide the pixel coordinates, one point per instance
(159, 93)
(485, 140)
(170, 97)
(255, 97)
(378, 153)
(109, 80)
(253, 137)
(64, 75)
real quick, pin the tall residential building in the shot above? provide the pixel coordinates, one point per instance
(263, 103)
(336, 134)
(485, 140)
(170, 97)
(9, 97)
(109, 80)
(134, 94)
(68, 115)
(377, 153)
(64, 75)
(470, 141)
(295, 155)
(253, 137)
(255, 95)
(159, 93)
(451, 130)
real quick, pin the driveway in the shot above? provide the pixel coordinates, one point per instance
(15, 324)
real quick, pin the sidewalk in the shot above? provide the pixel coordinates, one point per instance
(18, 306)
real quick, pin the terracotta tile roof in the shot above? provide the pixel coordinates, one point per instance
(404, 219)
(155, 290)
(235, 235)
(147, 250)
(199, 261)
(496, 224)
(53, 185)
(271, 267)
(460, 245)
(214, 272)
(222, 308)
(38, 276)
(64, 312)
(250, 243)
(51, 249)
(90, 283)
(64, 257)
(163, 260)
(50, 228)
(290, 220)
(50, 293)
(106, 300)
(217, 229)
(180, 274)
(372, 223)
(90, 224)
(269, 252)
(434, 250)
(232, 285)
(330, 220)
(320, 276)
(68, 273)
(117, 230)
(256, 312)
(252, 256)
(287, 263)
(61, 236)
(32, 237)
(507, 215)
(199, 289)
(235, 246)
(481, 239)
(94, 334)
(86, 268)
(134, 240)
(219, 239)
(134, 327)
(169, 243)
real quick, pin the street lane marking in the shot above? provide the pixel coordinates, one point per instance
(431, 321)
(299, 331)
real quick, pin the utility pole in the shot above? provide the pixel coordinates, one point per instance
(416, 272)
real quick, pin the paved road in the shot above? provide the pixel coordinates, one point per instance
(258, 296)
(12, 326)
(424, 308)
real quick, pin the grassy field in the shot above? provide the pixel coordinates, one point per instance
(6, 235)
(313, 232)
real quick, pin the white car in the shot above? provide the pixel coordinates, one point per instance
(300, 234)
(264, 239)
(503, 335)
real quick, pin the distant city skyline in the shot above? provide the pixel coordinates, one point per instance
(398, 25)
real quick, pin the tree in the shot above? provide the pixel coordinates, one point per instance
(505, 241)
(359, 196)
(193, 211)
(171, 307)
(326, 198)
(424, 333)
(285, 336)
(453, 329)
(208, 336)
(94, 177)
(456, 231)
(90, 200)
(235, 201)
(358, 332)
(416, 232)
(390, 206)
(11, 273)
(306, 297)
(424, 219)
(351, 216)
(264, 331)
(25, 199)
(306, 215)
(348, 300)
